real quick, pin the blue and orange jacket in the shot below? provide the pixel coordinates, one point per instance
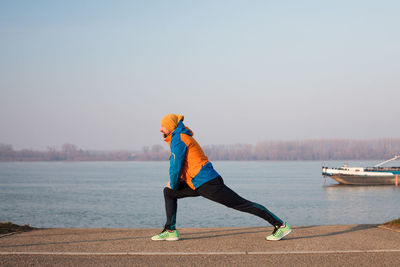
(188, 161)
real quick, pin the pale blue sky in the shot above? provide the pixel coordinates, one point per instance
(101, 74)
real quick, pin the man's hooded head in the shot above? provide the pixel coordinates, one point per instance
(171, 121)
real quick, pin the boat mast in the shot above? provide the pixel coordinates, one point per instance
(395, 157)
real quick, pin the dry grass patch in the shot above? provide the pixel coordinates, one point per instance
(393, 224)
(9, 227)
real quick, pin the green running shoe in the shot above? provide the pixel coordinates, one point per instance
(166, 235)
(280, 232)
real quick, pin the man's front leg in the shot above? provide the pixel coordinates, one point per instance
(171, 205)
(171, 202)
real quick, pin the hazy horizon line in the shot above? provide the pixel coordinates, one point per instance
(53, 147)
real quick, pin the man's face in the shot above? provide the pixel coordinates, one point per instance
(164, 131)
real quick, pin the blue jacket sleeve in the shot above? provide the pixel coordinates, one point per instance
(178, 154)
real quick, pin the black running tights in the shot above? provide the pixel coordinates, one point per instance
(217, 191)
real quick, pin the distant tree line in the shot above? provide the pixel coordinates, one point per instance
(308, 150)
(71, 152)
(342, 149)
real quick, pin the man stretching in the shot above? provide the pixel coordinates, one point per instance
(191, 175)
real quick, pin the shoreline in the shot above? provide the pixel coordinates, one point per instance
(11, 228)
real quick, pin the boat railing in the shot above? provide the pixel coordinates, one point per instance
(389, 160)
(382, 169)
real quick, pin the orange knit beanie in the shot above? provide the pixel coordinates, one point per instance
(171, 121)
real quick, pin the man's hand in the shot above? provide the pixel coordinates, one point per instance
(168, 185)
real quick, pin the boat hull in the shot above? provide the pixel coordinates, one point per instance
(363, 180)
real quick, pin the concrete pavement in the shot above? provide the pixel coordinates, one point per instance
(330, 245)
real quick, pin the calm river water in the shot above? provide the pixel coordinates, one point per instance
(129, 194)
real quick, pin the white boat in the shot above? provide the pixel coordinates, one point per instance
(376, 175)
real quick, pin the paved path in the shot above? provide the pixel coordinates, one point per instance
(340, 245)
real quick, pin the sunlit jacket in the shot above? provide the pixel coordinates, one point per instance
(188, 161)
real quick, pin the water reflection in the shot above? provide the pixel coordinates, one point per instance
(355, 187)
